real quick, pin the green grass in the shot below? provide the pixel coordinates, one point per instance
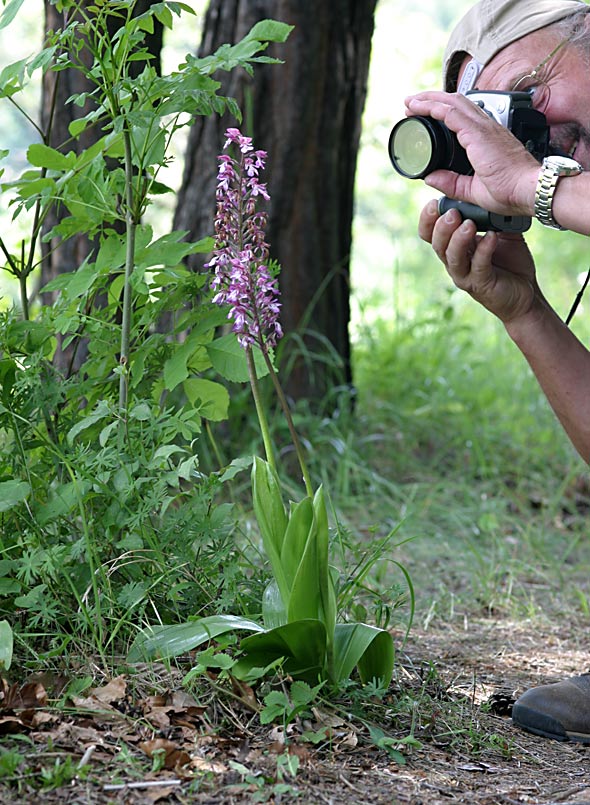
(459, 445)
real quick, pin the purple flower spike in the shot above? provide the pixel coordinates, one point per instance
(242, 278)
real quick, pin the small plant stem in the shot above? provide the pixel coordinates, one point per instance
(22, 282)
(264, 429)
(290, 424)
(131, 228)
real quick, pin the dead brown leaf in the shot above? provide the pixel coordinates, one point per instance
(27, 696)
(111, 693)
(174, 757)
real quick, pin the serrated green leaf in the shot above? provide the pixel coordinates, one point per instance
(170, 641)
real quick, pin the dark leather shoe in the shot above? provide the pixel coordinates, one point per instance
(560, 711)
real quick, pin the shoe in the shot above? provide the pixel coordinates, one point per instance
(560, 711)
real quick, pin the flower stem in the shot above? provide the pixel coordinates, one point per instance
(264, 429)
(287, 412)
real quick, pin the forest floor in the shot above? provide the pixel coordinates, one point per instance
(118, 743)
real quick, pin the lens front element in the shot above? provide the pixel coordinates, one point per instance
(410, 148)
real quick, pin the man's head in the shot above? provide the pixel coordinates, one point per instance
(491, 25)
(529, 44)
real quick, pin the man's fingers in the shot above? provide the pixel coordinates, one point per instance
(428, 218)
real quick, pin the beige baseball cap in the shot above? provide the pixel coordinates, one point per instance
(490, 25)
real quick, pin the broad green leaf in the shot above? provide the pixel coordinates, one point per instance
(170, 641)
(369, 648)
(6, 645)
(302, 644)
(269, 31)
(228, 358)
(12, 493)
(42, 156)
(111, 254)
(209, 398)
(169, 250)
(271, 517)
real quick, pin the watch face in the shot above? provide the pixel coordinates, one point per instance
(563, 163)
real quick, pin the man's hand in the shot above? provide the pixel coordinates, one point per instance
(496, 270)
(506, 173)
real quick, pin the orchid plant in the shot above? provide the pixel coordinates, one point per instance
(299, 609)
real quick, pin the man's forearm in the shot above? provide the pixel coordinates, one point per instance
(561, 364)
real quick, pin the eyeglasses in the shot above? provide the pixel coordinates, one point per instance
(536, 82)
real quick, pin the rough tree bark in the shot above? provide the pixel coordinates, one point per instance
(307, 114)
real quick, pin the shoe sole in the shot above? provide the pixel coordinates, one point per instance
(545, 726)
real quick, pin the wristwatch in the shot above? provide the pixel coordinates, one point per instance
(553, 169)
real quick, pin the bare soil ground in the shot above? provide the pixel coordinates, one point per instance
(445, 677)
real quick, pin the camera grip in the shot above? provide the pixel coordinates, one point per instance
(484, 220)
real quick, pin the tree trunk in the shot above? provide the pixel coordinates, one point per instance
(307, 114)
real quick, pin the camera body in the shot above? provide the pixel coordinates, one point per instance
(420, 145)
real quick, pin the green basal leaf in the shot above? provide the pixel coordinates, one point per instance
(296, 537)
(327, 592)
(170, 641)
(6, 645)
(304, 601)
(271, 517)
(12, 493)
(366, 647)
(273, 609)
(301, 644)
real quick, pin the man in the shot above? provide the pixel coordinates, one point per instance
(543, 45)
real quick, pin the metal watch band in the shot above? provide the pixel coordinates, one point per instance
(553, 169)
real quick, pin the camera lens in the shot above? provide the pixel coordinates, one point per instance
(420, 145)
(411, 147)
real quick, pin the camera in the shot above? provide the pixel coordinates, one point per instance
(420, 145)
